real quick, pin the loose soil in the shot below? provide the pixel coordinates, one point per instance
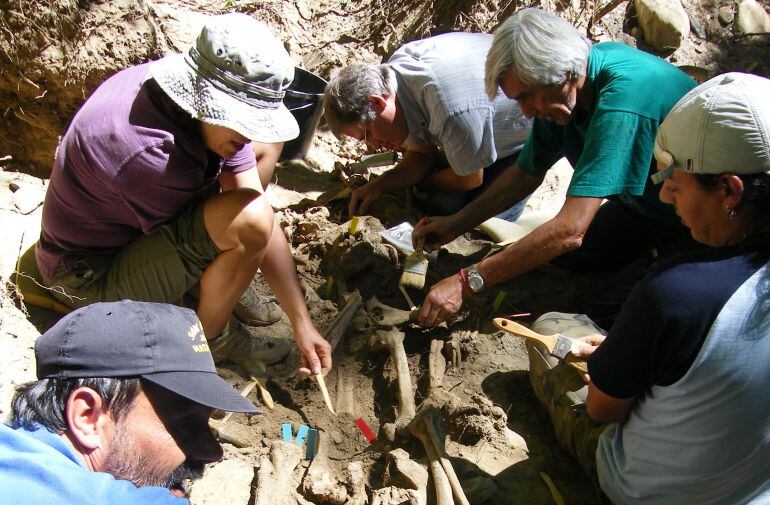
(53, 54)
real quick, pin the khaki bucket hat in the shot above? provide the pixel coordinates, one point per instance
(235, 75)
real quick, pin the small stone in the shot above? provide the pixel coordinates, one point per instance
(697, 26)
(336, 437)
(726, 15)
(27, 198)
(714, 29)
(752, 18)
(303, 9)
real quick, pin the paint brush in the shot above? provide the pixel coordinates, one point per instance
(558, 345)
(415, 268)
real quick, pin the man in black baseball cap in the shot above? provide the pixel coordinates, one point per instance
(120, 411)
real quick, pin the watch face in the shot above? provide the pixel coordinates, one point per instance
(475, 282)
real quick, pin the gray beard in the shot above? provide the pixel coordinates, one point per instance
(124, 462)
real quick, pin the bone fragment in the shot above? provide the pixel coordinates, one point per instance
(393, 340)
(436, 366)
(395, 496)
(344, 391)
(319, 482)
(385, 316)
(418, 428)
(275, 476)
(357, 484)
(336, 330)
(406, 473)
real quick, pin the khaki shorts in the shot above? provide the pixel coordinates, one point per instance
(160, 267)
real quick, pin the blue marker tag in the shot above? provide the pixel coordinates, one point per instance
(301, 434)
(312, 438)
(286, 430)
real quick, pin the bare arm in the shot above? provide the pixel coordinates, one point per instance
(267, 156)
(559, 235)
(417, 164)
(281, 274)
(606, 408)
(601, 406)
(508, 189)
(550, 240)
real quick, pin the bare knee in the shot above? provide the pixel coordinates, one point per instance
(239, 219)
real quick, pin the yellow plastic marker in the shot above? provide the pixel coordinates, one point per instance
(498, 300)
(329, 285)
(353, 228)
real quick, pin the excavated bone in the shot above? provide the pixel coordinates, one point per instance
(426, 427)
(403, 472)
(319, 484)
(393, 340)
(436, 366)
(357, 484)
(385, 316)
(337, 329)
(275, 477)
(395, 496)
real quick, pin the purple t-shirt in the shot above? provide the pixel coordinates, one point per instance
(122, 169)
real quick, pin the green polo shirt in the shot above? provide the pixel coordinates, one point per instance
(611, 147)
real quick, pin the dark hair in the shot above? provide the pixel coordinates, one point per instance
(756, 191)
(44, 401)
(162, 101)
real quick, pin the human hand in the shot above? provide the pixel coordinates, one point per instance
(315, 351)
(583, 347)
(444, 300)
(363, 197)
(436, 231)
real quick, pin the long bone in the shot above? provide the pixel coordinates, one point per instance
(393, 340)
(419, 428)
(426, 427)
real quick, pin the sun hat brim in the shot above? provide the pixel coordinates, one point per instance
(205, 102)
(206, 388)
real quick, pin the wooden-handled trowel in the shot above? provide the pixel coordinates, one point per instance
(558, 345)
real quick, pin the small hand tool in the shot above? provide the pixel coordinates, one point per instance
(558, 345)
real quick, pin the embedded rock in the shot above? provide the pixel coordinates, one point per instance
(228, 481)
(752, 18)
(664, 22)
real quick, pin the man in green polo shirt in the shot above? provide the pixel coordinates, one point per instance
(597, 105)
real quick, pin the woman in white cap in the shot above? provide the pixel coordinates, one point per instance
(683, 374)
(134, 208)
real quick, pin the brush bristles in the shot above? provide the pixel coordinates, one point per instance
(415, 268)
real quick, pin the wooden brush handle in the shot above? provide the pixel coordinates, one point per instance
(522, 331)
(578, 363)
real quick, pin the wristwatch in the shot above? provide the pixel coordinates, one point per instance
(475, 280)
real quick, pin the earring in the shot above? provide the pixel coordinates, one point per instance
(731, 213)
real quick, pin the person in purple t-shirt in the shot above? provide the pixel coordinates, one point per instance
(134, 208)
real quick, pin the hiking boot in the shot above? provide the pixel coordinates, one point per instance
(236, 344)
(257, 310)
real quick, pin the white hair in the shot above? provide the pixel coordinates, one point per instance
(348, 93)
(540, 47)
